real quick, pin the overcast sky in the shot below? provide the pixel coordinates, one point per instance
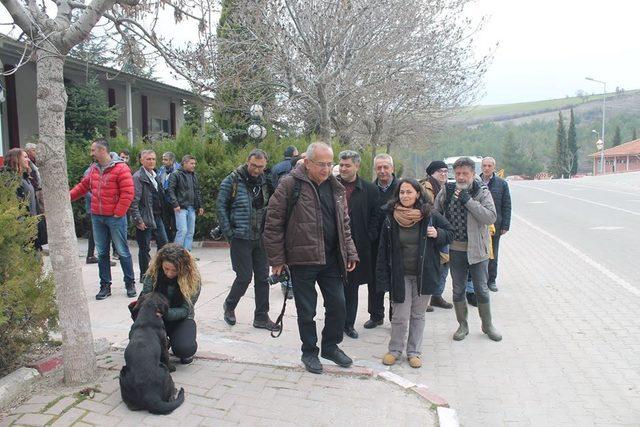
(547, 47)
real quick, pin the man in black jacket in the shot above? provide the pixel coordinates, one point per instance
(386, 183)
(185, 197)
(146, 209)
(362, 201)
(502, 199)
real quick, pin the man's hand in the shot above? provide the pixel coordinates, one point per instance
(503, 231)
(351, 265)
(141, 226)
(432, 232)
(176, 209)
(200, 212)
(277, 269)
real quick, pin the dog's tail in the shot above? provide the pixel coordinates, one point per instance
(160, 407)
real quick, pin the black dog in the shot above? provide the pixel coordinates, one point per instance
(145, 381)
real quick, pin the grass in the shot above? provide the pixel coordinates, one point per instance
(481, 111)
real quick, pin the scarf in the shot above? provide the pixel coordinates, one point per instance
(406, 217)
(152, 177)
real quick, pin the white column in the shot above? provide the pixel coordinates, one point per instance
(129, 115)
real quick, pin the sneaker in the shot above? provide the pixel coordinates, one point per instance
(429, 309)
(440, 302)
(229, 315)
(338, 357)
(131, 290)
(371, 323)
(492, 287)
(415, 361)
(105, 291)
(351, 332)
(92, 260)
(389, 359)
(312, 363)
(266, 324)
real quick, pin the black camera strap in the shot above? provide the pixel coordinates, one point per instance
(278, 332)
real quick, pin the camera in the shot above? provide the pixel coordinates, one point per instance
(216, 233)
(279, 278)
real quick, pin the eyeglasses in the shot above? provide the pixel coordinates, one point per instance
(443, 170)
(322, 164)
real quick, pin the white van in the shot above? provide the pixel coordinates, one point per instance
(451, 160)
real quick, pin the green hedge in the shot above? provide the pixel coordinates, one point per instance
(27, 299)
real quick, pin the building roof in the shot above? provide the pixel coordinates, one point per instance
(631, 148)
(15, 48)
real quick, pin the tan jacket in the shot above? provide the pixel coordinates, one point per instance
(300, 240)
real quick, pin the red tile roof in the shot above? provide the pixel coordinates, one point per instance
(630, 148)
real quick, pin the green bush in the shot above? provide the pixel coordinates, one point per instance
(27, 300)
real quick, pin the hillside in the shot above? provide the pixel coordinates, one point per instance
(523, 112)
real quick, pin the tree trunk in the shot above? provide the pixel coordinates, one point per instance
(75, 323)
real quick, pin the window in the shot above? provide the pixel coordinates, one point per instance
(160, 126)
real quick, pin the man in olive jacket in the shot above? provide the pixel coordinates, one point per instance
(468, 206)
(307, 229)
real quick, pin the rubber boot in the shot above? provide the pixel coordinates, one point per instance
(461, 315)
(487, 326)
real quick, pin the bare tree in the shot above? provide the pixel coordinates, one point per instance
(51, 29)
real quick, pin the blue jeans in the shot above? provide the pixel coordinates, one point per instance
(186, 227)
(106, 229)
(470, 284)
(444, 272)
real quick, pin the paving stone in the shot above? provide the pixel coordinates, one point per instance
(30, 408)
(93, 406)
(61, 405)
(69, 418)
(34, 419)
(101, 420)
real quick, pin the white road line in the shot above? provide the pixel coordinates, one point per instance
(604, 205)
(584, 257)
(593, 187)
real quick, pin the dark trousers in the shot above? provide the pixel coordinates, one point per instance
(493, 263)
(460, 269)
(248, 257)
(182, 336)
(143, 237)
(91, 248)
(329, 279)
(169, 221)
(351, 303)
(375, 299)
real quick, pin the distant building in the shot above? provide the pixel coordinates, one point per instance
(623, 158)
(147, 107)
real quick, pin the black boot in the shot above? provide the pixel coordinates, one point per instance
(105, 291)
(131, 290)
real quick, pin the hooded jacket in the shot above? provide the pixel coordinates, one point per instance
(481, 213)
(111, 188)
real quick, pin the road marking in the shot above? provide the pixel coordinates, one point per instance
(584, 257)
(606, 227)
(604, 205)
(538, 202)
(593, 187)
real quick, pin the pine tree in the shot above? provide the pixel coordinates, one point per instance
(617, 138)
(572, 144)
(511, 156)
(634, 134)
(562, 166)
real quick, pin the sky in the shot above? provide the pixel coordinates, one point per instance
(548, 47)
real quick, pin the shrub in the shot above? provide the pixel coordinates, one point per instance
(27, 301)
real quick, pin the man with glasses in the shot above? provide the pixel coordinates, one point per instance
(437, 173)
(310, 233)
(242, 206)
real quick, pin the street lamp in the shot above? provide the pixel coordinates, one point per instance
(600, 147)
(256, 130)
(604, 104)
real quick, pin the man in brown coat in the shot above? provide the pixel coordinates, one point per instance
(307, 229)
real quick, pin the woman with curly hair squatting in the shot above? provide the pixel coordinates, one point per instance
(408, 266)
(173, 273)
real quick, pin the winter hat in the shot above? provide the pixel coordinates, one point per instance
(435, 165)
(288, 152)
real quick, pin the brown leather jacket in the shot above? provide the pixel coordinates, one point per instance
(302, 242)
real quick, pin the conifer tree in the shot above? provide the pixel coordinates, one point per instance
(617, 138)
(572, 144)
(562, 165)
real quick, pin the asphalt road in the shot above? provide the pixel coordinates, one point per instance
(597, 217)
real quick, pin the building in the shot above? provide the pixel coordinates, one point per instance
(623, 158)
(146, 107)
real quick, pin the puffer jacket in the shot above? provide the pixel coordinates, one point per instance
(299, 239)
(499, 189)
(235, 210)
(481, 213)
(390, 267)
(111, 188)
(141, 210)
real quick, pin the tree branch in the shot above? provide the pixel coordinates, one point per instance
(20, 15)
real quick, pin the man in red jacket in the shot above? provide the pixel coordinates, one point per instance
(111, 185)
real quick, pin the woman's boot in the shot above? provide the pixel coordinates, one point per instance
(487, 326)
(461, 315)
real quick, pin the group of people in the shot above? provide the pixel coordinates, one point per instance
(340, 231)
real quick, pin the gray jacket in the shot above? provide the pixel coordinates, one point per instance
(481, 213)
(141, 209)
